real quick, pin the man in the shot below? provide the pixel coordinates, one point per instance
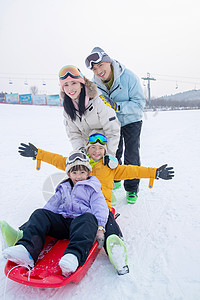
(122, 86)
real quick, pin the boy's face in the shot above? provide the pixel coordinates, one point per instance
(96, 151)
(103, 70)
(78, 175)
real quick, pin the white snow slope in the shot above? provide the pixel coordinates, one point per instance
(162, 230)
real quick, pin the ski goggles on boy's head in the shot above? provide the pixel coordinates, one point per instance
(71, 71)
(77, 155)
(97, 138)
(94, 58)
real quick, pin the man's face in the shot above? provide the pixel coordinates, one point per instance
(103, 70)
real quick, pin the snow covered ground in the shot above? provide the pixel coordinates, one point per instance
(162, 230)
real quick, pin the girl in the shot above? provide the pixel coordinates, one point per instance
(78, 211)
(85, 111)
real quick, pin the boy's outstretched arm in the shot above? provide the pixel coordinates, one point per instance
(123, 172)
(30, 150)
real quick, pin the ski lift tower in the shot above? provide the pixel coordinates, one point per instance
(148, 78)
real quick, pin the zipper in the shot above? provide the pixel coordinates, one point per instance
(106, 91)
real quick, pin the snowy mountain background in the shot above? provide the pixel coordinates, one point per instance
(193, 95)
(161, 231)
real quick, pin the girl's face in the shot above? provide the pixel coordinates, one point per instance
(96, 151)
(73, 89)
(78, 175)
(103, 70)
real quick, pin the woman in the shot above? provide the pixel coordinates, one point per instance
(84, 110)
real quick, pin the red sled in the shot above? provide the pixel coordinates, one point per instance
(47, 273)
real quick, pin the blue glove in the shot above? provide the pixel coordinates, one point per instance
(110, 161)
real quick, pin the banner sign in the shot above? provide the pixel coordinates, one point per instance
(25, 99)
(12, 98)
(53, 100)
(2, 98)
(39, 99)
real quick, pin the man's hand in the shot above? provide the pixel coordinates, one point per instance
(110, 161)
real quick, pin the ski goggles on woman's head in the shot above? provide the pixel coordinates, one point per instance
(97, 138)
(94, 58)
(77, 155)
(71, 71)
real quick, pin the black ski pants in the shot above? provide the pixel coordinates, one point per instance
(130, 137)
(80, 231)
(111, 228)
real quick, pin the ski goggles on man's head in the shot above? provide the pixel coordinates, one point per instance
(71, 71)
(94, 58)
(97, 138)
(77, 155)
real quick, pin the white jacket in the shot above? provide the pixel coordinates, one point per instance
(98, 117)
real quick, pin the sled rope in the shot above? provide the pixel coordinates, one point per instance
(29, 274)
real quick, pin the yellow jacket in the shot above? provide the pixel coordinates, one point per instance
(105, 175)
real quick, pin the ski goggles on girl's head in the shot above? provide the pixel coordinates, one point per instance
(77, 155)
(70, 71)
(94, 58)
(97, 138)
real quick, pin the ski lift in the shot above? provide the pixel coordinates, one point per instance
(43, 82)
(10, 81)
(176, 85)
(25, 82)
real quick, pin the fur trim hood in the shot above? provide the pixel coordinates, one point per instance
(91, 89)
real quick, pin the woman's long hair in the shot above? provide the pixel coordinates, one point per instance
(69, 106)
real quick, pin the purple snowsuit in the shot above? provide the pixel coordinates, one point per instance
(73, 213)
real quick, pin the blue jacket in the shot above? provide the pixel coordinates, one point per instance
(126, 91)
(85, 196)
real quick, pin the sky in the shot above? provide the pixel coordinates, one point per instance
(39, 37)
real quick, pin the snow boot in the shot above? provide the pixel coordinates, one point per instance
(9, 236)
(68, 264)
(117, 185)
(117, 254)
(19, 255)
(131, 197)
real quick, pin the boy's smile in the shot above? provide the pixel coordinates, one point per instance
(96, 151)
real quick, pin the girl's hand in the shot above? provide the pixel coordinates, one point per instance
(100, 238)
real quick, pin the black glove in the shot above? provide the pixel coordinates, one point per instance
(28, 150)
(110, 161)
(165, 173)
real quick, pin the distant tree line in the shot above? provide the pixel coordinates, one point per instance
(173, 104)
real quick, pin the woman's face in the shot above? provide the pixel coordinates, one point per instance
(73, 89)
